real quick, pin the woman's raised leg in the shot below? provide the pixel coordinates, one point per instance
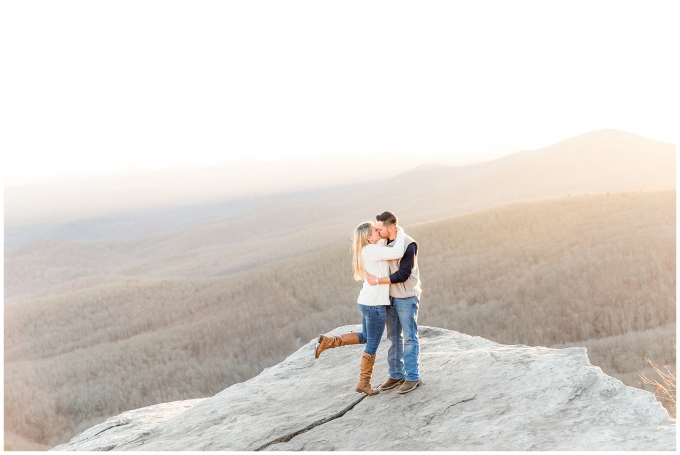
(325, 342)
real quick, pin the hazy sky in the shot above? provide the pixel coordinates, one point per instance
(95, 86)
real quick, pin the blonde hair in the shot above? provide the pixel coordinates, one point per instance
(360, 239)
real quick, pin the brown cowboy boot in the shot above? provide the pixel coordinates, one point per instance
(333, 342)
(390, 383)
(366, 370)
(408, 386)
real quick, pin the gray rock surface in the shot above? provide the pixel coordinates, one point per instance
(126, 427)
(475, 395)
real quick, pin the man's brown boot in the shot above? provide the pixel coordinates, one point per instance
(390, 383)
(366, 370)
(333, 342)
(408, 386)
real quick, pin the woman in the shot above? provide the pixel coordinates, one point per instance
(368, 256)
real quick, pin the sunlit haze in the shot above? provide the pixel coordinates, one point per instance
(95, 87)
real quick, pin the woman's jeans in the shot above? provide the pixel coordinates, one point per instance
(404, 352)
(372, 326)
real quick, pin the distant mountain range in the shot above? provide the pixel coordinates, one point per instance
(134, 204)
(93, 207)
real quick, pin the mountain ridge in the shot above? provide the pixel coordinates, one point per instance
(620, 167)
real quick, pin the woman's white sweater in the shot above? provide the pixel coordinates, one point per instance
(375, 259)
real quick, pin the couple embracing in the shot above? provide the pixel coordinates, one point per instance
(384, 257)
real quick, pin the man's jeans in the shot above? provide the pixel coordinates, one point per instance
(404, 353)
(372, 326)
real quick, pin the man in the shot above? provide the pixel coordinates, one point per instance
(403, 356)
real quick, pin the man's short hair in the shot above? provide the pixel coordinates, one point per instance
(387, 218)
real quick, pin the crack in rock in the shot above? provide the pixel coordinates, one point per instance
(580, 390)
(577, 394)
(119, 424)
(313, 425)
(142, 435)
(447, 408)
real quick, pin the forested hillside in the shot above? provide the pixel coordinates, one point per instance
(230, 235)
(593, 270)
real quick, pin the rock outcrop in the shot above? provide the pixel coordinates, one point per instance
(475, 395)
